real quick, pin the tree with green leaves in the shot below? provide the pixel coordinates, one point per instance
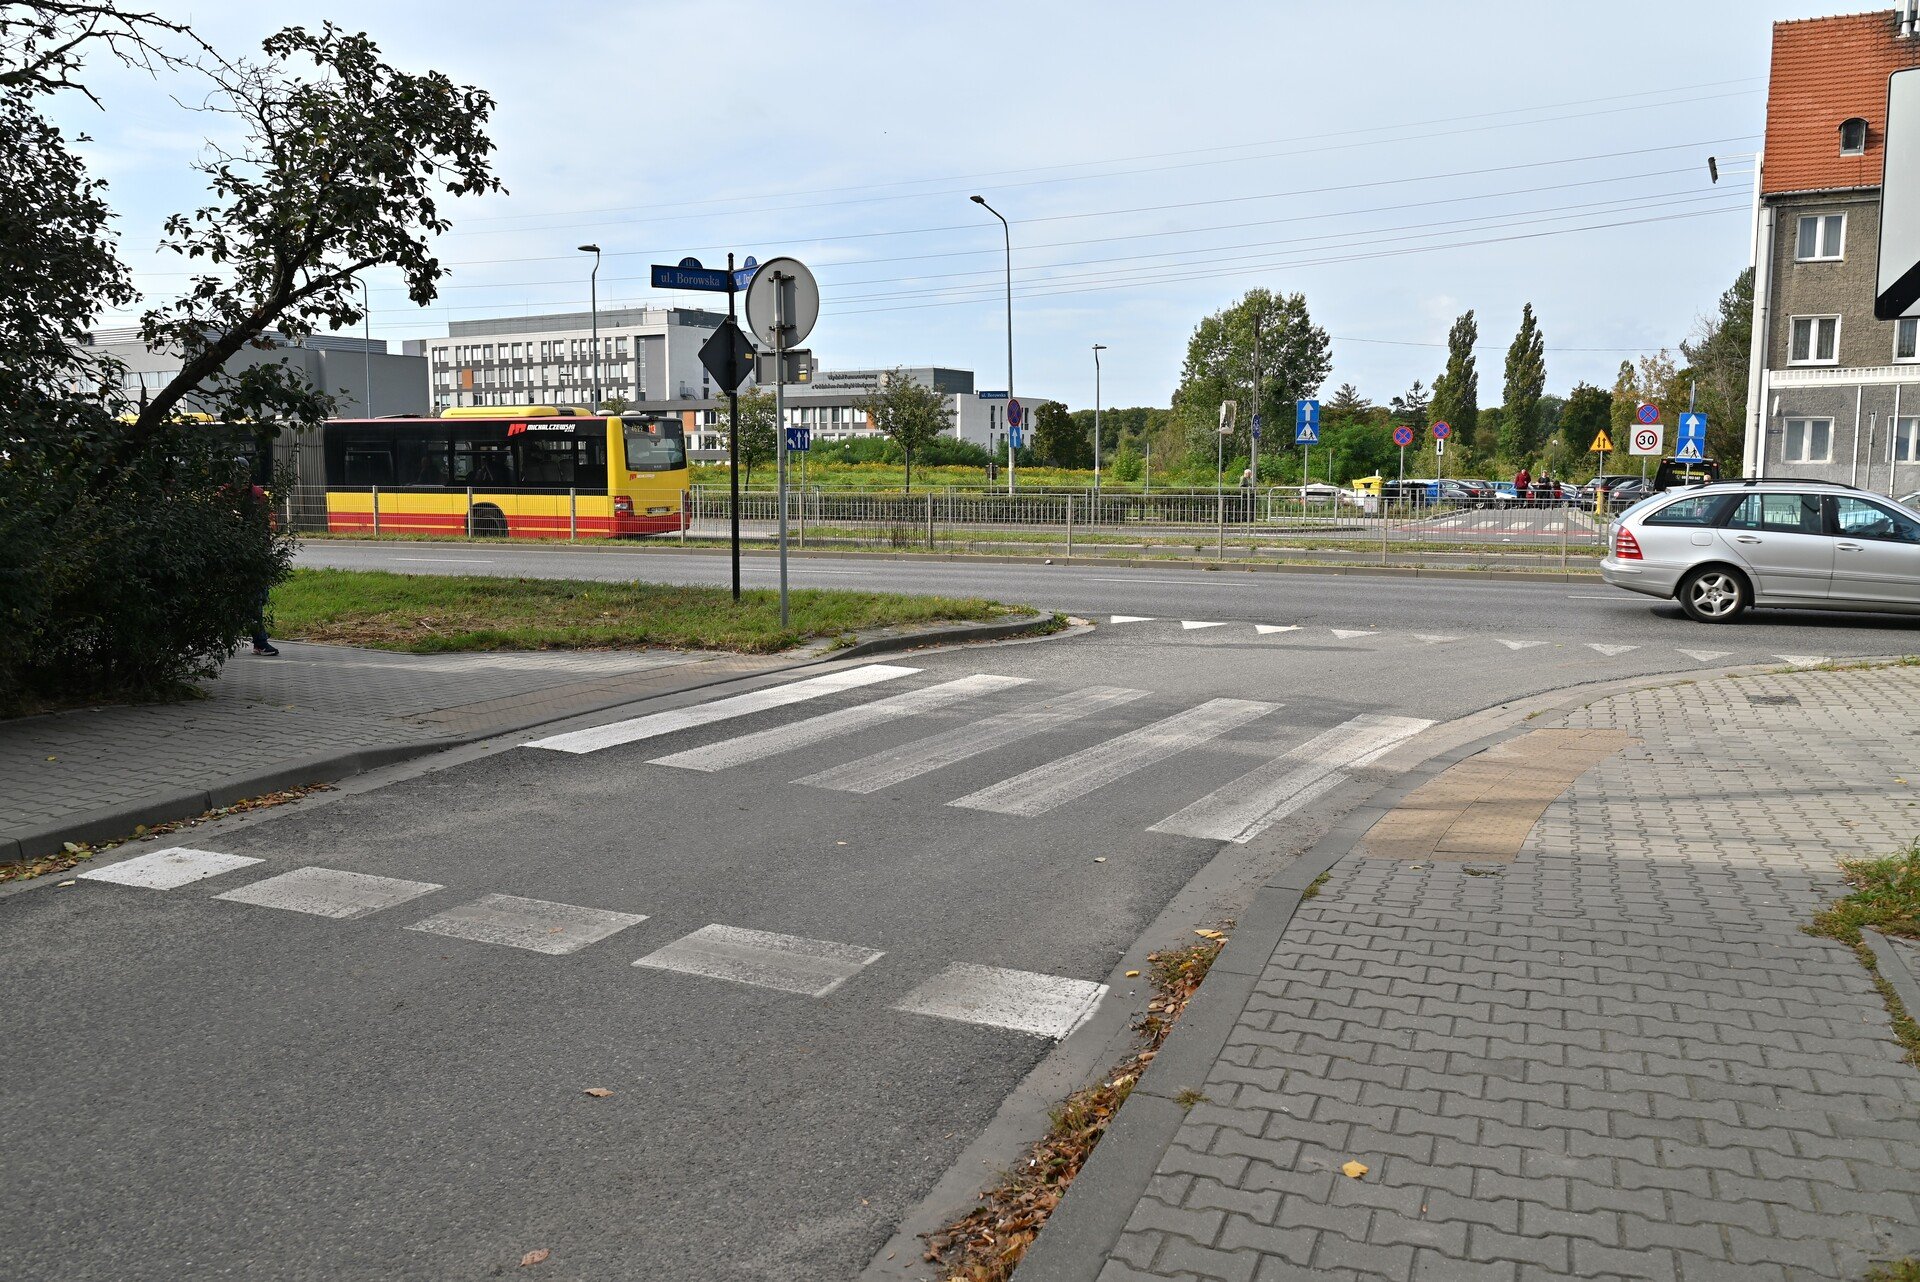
(1589, 410)
(1719, 357)
(1525, 382)
(1059, 438)
(909, 412)
(759, 431)
(1413, 407)
(1295, 358)
(1346, 405)
(1127, 465)
(1654, 378)
(1456, 393)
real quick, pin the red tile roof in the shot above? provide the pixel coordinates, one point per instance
(1826, 70)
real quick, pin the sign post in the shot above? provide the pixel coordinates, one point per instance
(782, 304)
(1441, 431)
(1603, 446)
(1306, 430)
(728, 356)
(1016, 415)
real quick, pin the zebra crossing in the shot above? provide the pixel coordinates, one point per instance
(1238, 812)
(1021, 1001)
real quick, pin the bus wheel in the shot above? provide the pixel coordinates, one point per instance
(485, 521)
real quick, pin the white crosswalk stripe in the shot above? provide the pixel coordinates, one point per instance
(1039, 1005)
(1348, 634)
(1251, 804)
(767, 743)
(330, 892)
(533, 924)
(1043, 788)
(896, 765)
(788, 963)
(655, 724)
(168, 869)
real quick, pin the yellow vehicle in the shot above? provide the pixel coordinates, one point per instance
(529, 471)
(1369, 485)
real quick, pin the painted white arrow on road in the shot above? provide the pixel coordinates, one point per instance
(1267, 629)
(1706, 656)
(1610, 650)
(1132, 618)
(1348, 634)
(1804, 660)
(1190, 626)
(1518, 645)
(1432, 640)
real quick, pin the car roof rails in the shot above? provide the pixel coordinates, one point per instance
(1788, 480)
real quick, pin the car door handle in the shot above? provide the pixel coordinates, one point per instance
(1746, 538)
(1849, 547)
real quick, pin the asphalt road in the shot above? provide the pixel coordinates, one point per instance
(212, 1087)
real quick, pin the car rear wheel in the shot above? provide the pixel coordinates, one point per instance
(1714, 594)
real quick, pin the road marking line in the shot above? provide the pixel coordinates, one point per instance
(536, 925)
(1610, 650)
(700, 714)
(1039, 790)
(1432, 640)
(1190, 626)
(1596, 596)
(1348, 634)
(1706, 656)
(896, 765)
(170, 868)
(1518, 645)
(1021, 1000)
(1804, 660)
(1268, 629)
(788, 963)
(448, 560)
(1254, 802)
(329, 892)
(778, 739)
(1132, 618)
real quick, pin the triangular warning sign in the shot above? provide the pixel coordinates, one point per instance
(1305, 435)
(1689, 451)
(1602, 443)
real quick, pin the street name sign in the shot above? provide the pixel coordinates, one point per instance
(689, 274)
(1646, 440)
(1897, 290)
(727, 355)
(743, 276)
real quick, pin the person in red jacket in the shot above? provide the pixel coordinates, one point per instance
(1522, 482)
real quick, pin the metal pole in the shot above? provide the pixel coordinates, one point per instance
(1259, 420)
(780, 281)
(733, 447)
(376, 509)
(1006, 231)
(929, 497)
(366, 317)
(1097, 349)
(593, 282)
(1069, 526)
(573, 514)
(1146, 471)
(686, 514)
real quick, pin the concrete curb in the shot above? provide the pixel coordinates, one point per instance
(118, 822)
(982, 558)
(1077, 1239)
(1896, 969)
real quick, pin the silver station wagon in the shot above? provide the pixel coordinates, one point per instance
(1720, 549)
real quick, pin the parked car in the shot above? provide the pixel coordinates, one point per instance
(1409, 493)
(1623, 494)
(1323, 492)
(1482, 493)
(1722, 548)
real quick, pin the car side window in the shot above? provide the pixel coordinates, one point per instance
(1778, 514)
(1696, 510)
(1859, 519)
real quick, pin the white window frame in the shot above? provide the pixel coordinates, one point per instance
(1813, 341)
(1823, 253)
(1805, 424)
(1909, 328)
(1906, 439)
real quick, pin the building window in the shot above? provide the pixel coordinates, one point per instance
(1853, 137)
(1822, 237)
(1906, 440)
(1816, 341)
(1906, 339)
(1809, 440)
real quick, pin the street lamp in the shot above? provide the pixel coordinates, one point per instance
(593, 285)
(1006, 231)
(1097, 349)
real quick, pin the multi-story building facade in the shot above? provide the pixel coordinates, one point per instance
(646, 354)
(361, 374)
(1834, 394)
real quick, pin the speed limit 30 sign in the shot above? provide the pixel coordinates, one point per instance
(1645, 440)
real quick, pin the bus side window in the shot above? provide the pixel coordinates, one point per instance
(481, 461)
(591, 476)
(422, 462)
(546, 463)
(369, 460)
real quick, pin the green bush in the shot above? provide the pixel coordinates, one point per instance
(129, 564)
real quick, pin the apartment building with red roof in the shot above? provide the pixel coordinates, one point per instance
(1834, 394)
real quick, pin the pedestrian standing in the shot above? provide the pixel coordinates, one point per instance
(1246, 494)
(262, 646)
(1522, 484)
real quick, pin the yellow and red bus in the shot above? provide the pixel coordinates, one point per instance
(529, 471)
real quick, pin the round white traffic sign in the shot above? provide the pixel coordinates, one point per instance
(1646, 440)
(782, 296)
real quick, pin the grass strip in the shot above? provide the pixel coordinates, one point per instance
(429, 614)
(1886, 898)
(988, 1243)
(74, 853)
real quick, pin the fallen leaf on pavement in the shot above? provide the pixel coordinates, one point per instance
(69, 883)
(1133, 974)
(598, 1092)
(534, 1257)
(1354, 1170)
(1209, 934)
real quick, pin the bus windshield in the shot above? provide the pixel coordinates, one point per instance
(653, 451)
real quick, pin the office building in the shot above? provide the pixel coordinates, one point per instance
(646, 354)
(336, 363)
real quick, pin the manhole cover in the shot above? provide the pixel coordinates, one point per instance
(1773, 698)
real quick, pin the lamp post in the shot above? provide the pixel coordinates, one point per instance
(593, 285)
(366, 358)
(1097, 349)
(1006, 231)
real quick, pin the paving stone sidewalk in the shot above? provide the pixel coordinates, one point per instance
(314, 701)
(1615, 1056)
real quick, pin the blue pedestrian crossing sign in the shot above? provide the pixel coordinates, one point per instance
(799, 440)
(1256, 425)
(1693, 437)
(1306, 423)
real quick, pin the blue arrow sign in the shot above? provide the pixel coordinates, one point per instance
(1693, 431)
(799, 440)
(709, 278)
(1306, 423)
(1014, 438)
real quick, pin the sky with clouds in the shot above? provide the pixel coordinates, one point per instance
(1395, 162)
